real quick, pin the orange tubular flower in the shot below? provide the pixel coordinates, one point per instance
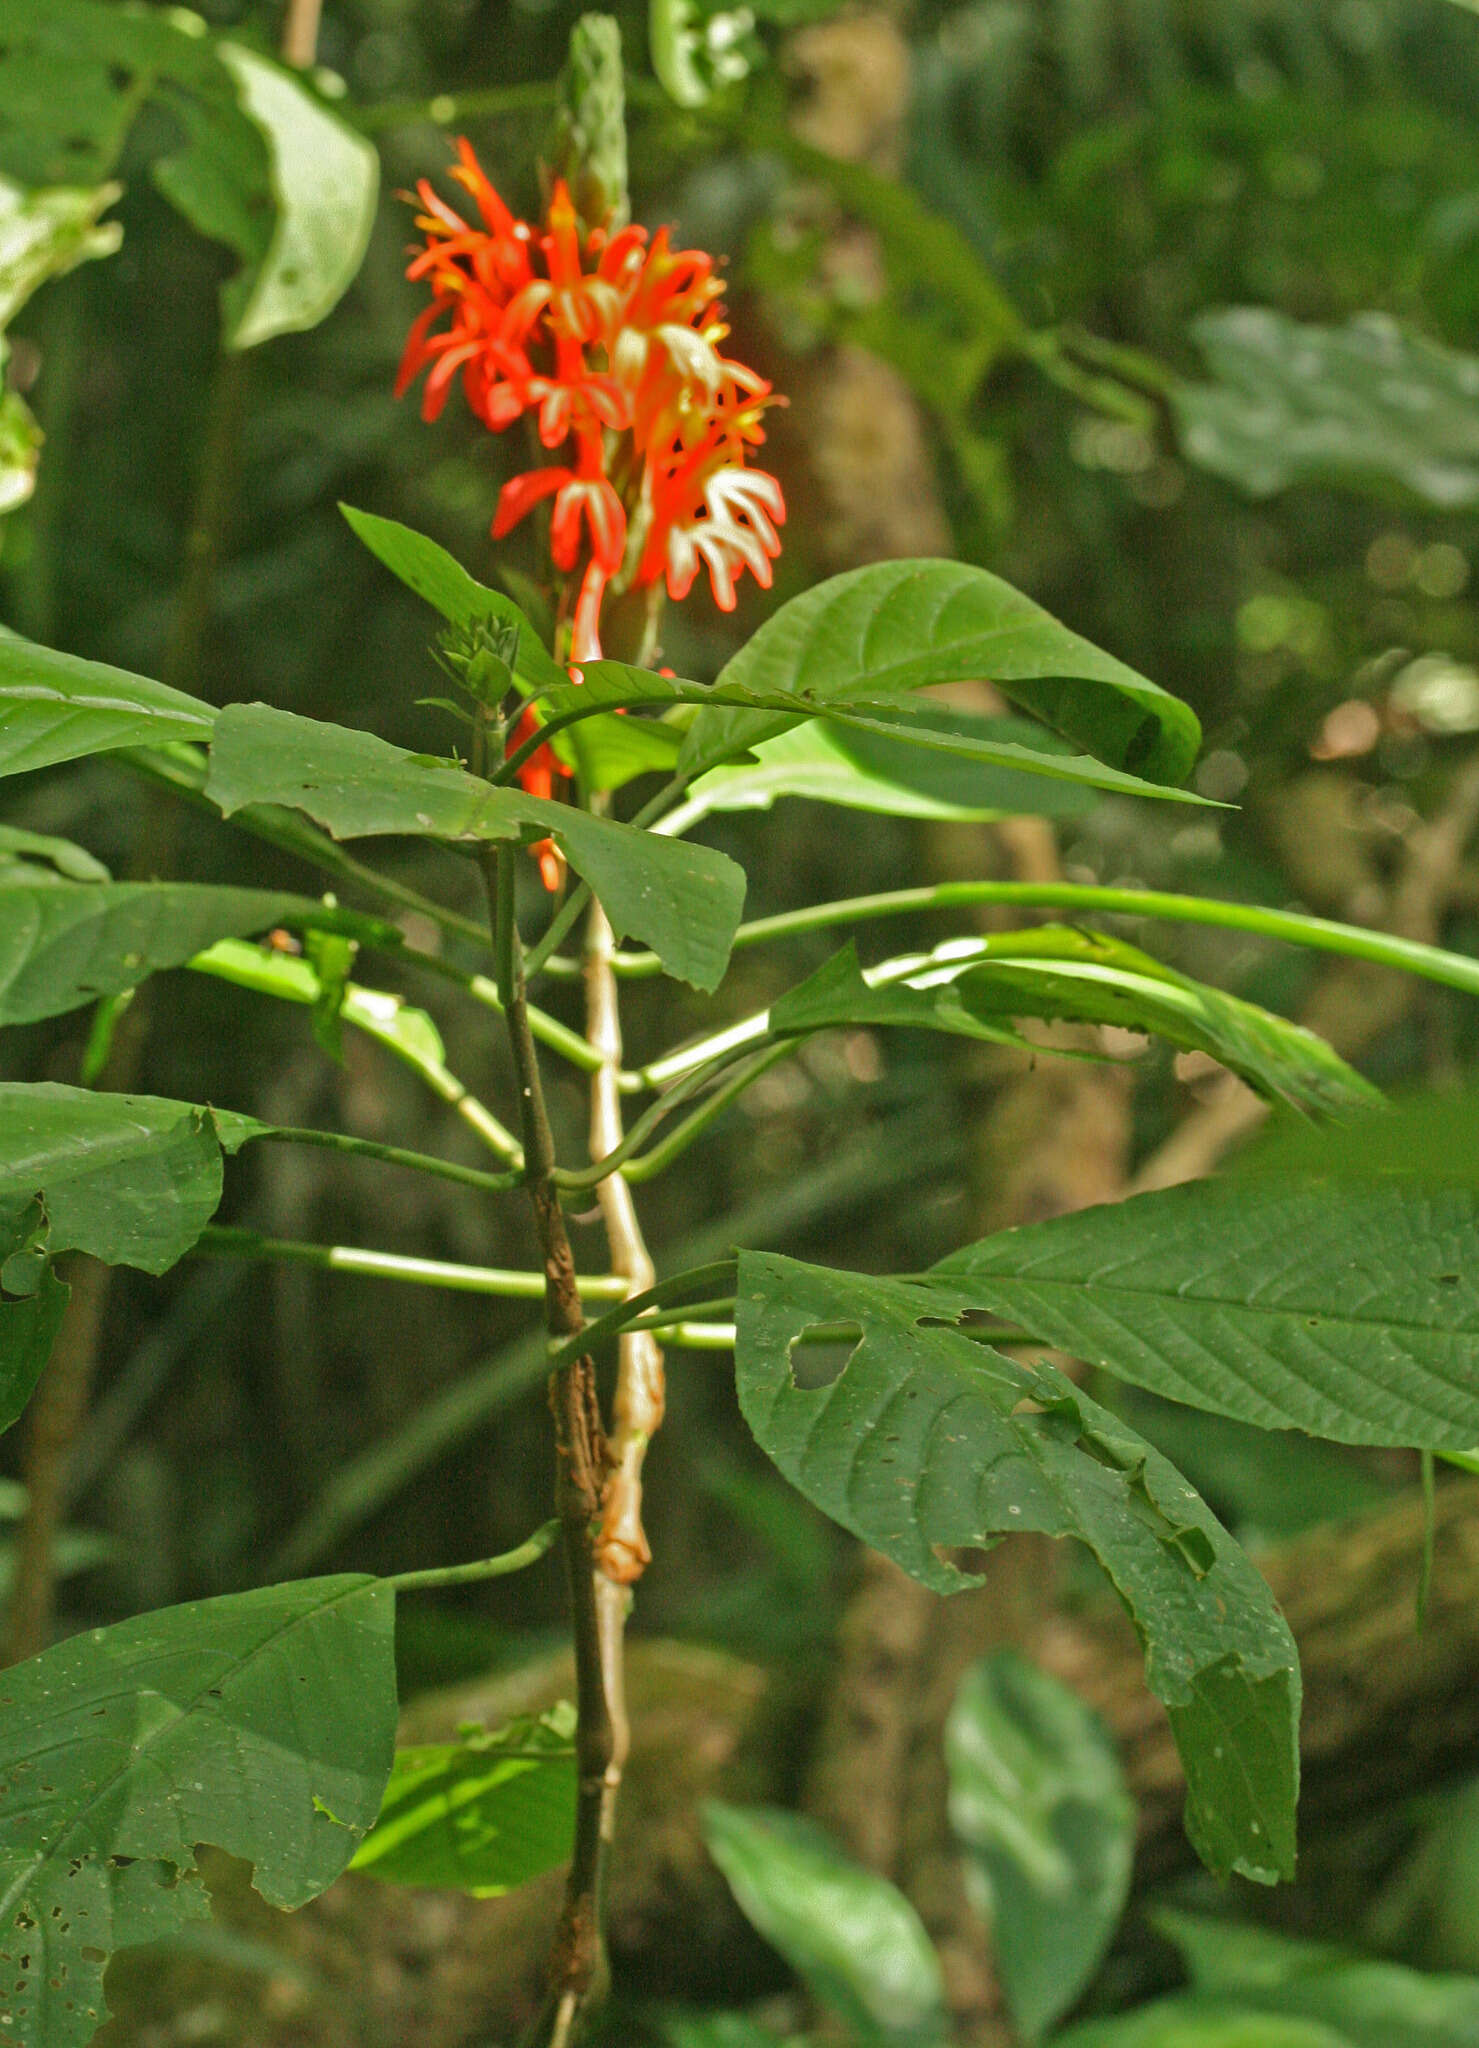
(612, 346)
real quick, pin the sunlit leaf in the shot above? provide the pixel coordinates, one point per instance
(57, 707)
(1038, 1802)
(926, 1441)
(481, 1815)
(1345, 1308)
(262, 1723)
(851, 1935)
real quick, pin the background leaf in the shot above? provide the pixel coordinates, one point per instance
(853, 1937)
(897, 626)
(683, 901)
(1039, 1804)
(1347, 1309)
(481, 1815)
(1024, 1449)
(262, 1722)
(57, 707)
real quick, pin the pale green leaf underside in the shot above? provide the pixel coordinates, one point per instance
(63, 944)
(918, 1447)
(1346, 1309)
(893, 627)
(1039, 1805)
(851, 1935)
(57, 707)
(683, 901)
(262, 1723)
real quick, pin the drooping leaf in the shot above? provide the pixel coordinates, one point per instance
(683, 901)
(446, 586)
(1372, 2004)
(65, 944)
(481, 1815)
(927, 1441)
(851, 1935)
(1367, 407)
(132, 1179)
(255, 162)
(33, 855)
(868, 771)
(262, 1723)
(1190, 2022)
(893, 627)
(32, 1303)
(1345, 1308)
(382, 1015)
(1039, 1804)
(1063, 972)
(325, 179)
(57, 707)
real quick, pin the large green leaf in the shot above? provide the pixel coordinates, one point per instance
(446, 586)
(133, 1179)
(1373, 2004)
(683, 901)
(64, 943)
(1063, 972)
(57, 707)
(32, 1303)
(853, 1937)
(894, 627)
(1367, 407)
(1038, 1802)
(262, 1723)
(39, 856)
(254, 161)
(926, 1441)
(481, 1815)
(1345, 1308)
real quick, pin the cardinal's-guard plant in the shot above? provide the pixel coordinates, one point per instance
(265, 1721)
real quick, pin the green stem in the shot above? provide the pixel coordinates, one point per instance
(577, 902)
(571, 1178)
(1292, 927)
(391, 1155)
(606, 1329)
(694, 1125)
(228, 1242)
(547, 1030)
(519, 1560)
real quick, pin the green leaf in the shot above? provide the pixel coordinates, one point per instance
(57, 707)
(1200, 2023)
(133, 1179)
(381, 1015)
(482, 1815)
(31, 1309)
(974, 987)
(1431, 1135)
(262, 1723)
(21, 851)
(853, 1937)
(1373, 2004)
(446, 586)
(868, 771)
(65, 944)
(325, 179)
(1366, 407)
(717, 2030)
(1343, 1308)
(894, 627)
(683, 901)
(1038, 1802)
(927, 1441)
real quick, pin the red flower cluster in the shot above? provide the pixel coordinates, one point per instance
(613, 348)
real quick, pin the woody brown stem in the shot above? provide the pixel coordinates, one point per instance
(578, 1957)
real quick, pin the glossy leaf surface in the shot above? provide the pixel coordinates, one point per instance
(1347, 1309)
(481, 1815)
(850, 1934)
(262, 1723)
(1039, 1805)
(57, 707)
(683, 901)
(926, 1441)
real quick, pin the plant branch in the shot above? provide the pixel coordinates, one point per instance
(499, 1567)
(225, 1241)
(391, 1155)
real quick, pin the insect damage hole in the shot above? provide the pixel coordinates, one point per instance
(819, 1355)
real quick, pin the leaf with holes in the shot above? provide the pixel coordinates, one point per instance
(1039, 1805)
(57, 707)
(926, 1441)
(482, 1815)
(65, 944)
(262, 1723)
(893, 627)
(683, 901)
(1348, 1309)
